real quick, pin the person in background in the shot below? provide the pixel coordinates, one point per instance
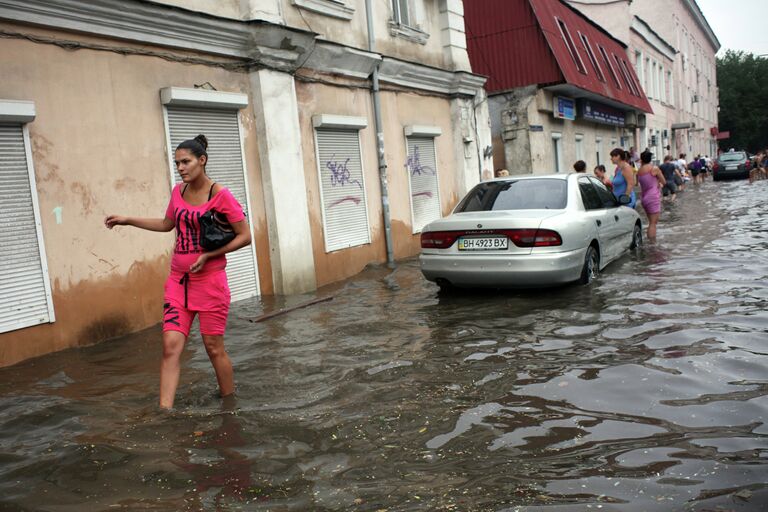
(651, 180)
(501, 173)
(603, 176)
(580, 166)
(634, 158)
(682, 172)
(669, 170)
(703, 169)
(695, 168)
(623, 176)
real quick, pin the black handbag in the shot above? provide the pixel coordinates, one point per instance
(215, 231)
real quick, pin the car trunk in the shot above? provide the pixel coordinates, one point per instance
(489, 224)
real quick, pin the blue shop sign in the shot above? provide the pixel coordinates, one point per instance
(600, 113)
(564, 108)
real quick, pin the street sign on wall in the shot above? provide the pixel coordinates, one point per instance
(600, 113)
(564, 108)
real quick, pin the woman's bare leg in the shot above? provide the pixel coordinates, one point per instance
(222, 365)
(173, 345)
(653, 219)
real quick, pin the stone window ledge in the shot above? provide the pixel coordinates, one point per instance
(410, 33)
(333, 8)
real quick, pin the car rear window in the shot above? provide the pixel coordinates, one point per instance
(535, 194)
(732, 157)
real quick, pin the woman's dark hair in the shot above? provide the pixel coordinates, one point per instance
(620, 153)
(646, 156)
(580, 166)
(197, 146)
(600, 168)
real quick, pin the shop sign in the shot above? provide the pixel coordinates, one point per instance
(600, 113)
(564, 108)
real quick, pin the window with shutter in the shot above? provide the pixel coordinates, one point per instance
(421, 166)
(225, 166)
(25, 290)
(342, 188)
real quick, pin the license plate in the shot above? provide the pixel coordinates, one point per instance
(483, 244)
(731, 167)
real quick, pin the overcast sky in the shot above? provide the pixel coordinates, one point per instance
(738, 24)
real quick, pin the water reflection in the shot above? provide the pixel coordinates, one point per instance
(643, 392)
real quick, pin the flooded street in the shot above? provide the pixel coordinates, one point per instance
(647, 391)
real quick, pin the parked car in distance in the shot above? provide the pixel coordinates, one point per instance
(733, 164)
(529, 231)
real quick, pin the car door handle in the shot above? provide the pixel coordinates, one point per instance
(599, 222)
(616, 218)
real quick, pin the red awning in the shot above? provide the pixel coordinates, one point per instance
(546, 42)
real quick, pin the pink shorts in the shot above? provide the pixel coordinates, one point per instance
(205, 295)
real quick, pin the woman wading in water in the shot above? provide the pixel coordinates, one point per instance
(197, 284)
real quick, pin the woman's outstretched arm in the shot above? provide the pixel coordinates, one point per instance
(164, 224)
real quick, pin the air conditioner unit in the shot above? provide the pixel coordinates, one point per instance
(641, 120)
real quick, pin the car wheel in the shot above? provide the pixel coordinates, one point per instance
(637, 237)
(591, 266)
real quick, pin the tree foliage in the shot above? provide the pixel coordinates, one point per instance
(743, 82)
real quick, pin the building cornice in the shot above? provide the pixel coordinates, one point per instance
(342, 60)
(258, 43)
(264, 43)
(417, 76)
(655, 40)
(695, 11)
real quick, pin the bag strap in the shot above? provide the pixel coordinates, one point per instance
(210, 192)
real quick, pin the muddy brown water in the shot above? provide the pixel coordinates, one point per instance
(643, 392)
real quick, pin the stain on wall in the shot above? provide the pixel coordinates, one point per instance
(93, 310)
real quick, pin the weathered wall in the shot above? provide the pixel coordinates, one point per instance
(523, 151)
(399, 110)
(98, 147)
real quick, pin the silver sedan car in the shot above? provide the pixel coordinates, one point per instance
(525, 231)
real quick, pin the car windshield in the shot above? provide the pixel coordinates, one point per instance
(535, 194)
(731, 157)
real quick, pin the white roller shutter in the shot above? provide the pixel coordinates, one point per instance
(422, 175)
(225, 166)
(25, 293)
(345, 214)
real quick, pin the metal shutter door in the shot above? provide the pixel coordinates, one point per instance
(345, 214)
(225, 166)
(422, 173)
(23, 290)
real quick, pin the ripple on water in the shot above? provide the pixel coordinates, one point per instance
(645, 391)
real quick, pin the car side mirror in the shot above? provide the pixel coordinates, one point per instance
(624, 199)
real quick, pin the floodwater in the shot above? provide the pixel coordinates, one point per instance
(646, 391)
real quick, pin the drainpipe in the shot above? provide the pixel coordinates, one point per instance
(380, 141)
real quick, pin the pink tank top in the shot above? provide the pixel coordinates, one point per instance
(187, 220)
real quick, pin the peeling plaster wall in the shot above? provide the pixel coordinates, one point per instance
(98, 147)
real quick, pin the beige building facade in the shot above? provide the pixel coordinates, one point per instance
(96, 94)
(673, 50)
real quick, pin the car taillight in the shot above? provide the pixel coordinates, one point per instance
(748, 163)
(534, 237)
(519, 237)
(439, 239)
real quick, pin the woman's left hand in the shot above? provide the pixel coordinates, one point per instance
(198, 265)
